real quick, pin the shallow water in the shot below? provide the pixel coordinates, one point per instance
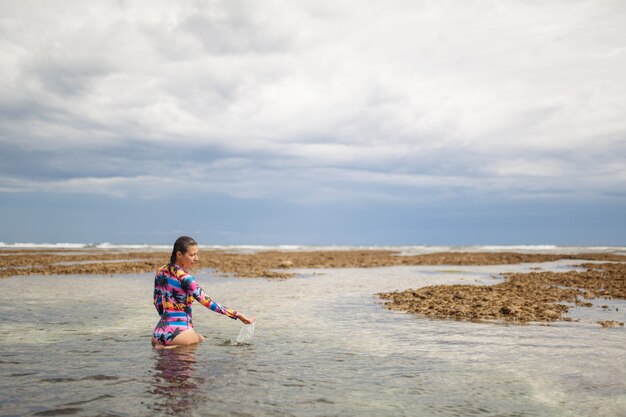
(322, 345)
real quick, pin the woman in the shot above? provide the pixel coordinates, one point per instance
(174, 292)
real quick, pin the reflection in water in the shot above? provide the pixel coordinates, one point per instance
(175, 386)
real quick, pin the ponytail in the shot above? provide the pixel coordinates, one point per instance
(181, 245)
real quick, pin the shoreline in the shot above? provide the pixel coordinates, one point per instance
(521, 298)
(263, 264)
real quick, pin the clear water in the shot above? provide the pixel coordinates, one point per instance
(322, 345)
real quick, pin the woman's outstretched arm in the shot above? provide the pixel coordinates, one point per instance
(189, 283)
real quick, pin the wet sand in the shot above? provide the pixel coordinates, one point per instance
(521, 298)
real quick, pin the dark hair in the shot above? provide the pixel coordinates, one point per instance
(181, 245)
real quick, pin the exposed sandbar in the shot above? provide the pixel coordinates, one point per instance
(269, 264)
(521, 298)
(536, 296)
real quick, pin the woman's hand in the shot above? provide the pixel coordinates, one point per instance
(245, 319)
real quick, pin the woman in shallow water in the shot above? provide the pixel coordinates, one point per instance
(174, 292)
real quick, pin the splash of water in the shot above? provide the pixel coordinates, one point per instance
(245, 335)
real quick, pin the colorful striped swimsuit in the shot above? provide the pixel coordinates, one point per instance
(174, 292)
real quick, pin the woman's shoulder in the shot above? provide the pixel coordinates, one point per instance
(173, 271)
(179, 273)
(186, 277)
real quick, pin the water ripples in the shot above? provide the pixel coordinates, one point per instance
(323, 345)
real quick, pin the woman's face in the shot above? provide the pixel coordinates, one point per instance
(186, 260)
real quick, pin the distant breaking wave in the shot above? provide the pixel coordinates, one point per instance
(404, 250)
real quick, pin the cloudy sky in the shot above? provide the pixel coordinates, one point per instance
(344, 122)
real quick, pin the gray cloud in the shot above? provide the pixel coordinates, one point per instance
(306, 101)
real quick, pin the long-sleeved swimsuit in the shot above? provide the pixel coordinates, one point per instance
(174, 292)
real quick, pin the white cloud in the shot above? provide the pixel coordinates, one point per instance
(474, 95)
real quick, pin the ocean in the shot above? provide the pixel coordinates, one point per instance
(324, 345)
